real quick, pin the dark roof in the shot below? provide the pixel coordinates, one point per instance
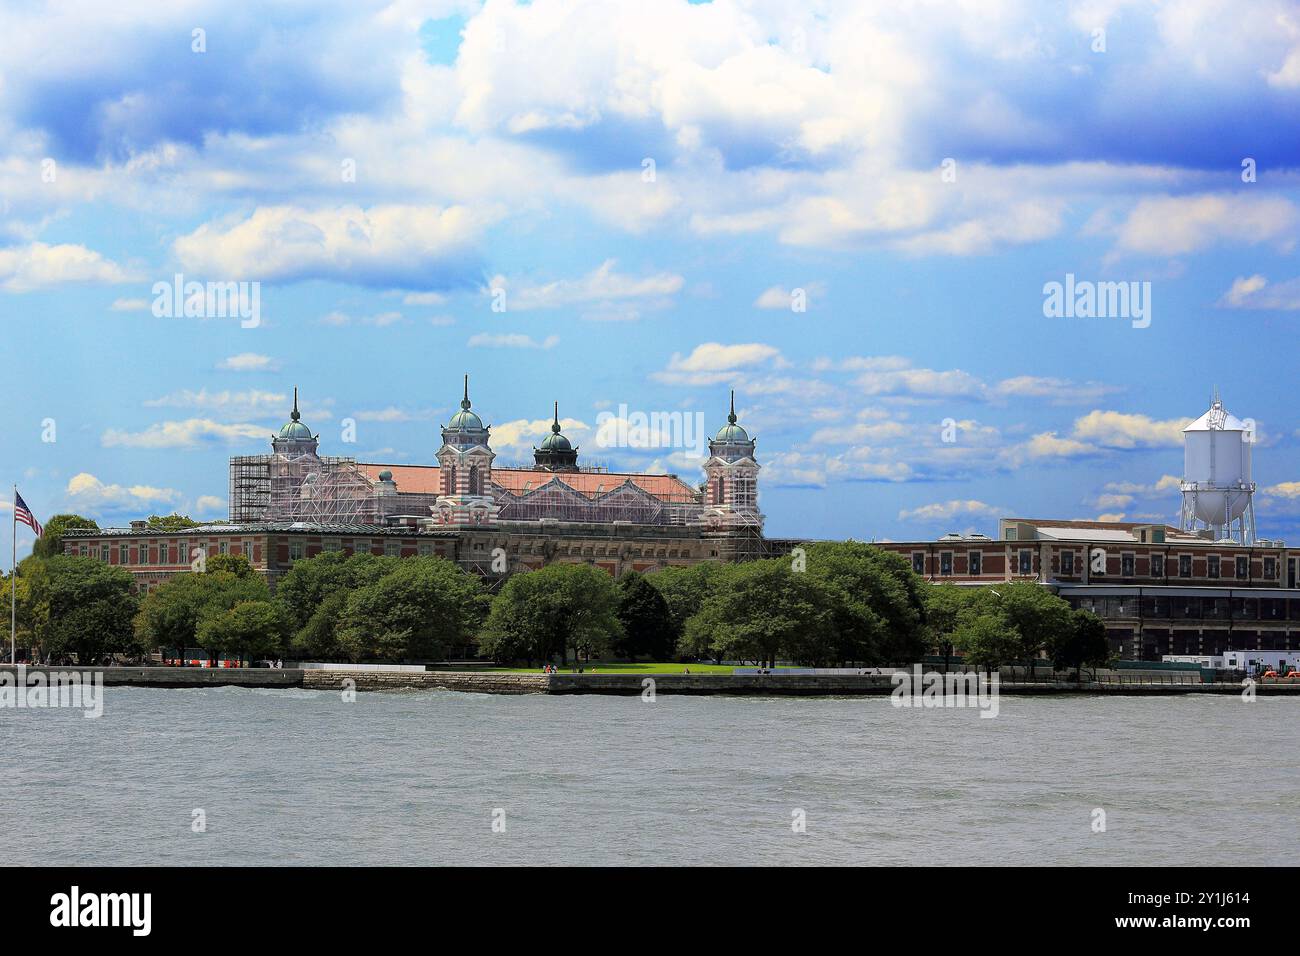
(268, 527)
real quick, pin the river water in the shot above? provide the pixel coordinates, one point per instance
(303, 777)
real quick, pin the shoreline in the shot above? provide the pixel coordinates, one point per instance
(753, 685)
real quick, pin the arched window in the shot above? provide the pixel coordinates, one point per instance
(450, 482)
(473, 480)
(717, 491)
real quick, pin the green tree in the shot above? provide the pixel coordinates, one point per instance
(172, 522)
(879, 600)
(1036, 615)
(945, 607)
(763, 610)
(1083, 644)
(647, 623)
(546, 613)
(250, 629)
(317, 640)
(310, 581)
(986, 640)
(82, 606)
(685, 589)
(171, 615)
(236, 564)
(418, 610)
(50, 542)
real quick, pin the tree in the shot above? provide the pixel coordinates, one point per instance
(50, 542)
(82, 606)
(318, 639)
(684, 590)
(647, 622)
(416, 611)
(236, 564)
(879, 600)
(250, 629)
(1037, 616)
(171, 615)
(172, 522)
(1083, 644)
(310, 581)
(945, 607)
(541, 614)
(763, 610)
(986, 640)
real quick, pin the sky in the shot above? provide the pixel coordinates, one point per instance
(851, 213)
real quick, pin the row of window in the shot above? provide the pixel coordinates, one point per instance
(392, 548)
(1180, 607)
(161, 553)
(1024, 564)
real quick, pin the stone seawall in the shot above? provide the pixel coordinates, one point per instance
(430, 680)
(772, 685)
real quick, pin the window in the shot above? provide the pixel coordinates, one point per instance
(1243, 567)
(295, 550)
(744, 492)
(1270, 569)
(1157, 565)
(1212, 566)
(473, 480)
(1126, 565)
(223, 547)
(122, 554)
(331, 544)
(975, 562)
(918, 562)
(1184, 565)
(426, 548)
(945, 563)
(103, 553)
(1067, 564)
(1026, 562)
(392, 548)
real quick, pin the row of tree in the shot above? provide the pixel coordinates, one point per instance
(826, 604)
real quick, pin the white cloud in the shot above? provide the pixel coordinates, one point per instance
(248, 362)
(191, 433)
(511, 341)
(1178, 225)
(251, 403)
(948, 510)
(129, 305)
(87, 491)
(713, 362)
(210, 504)
(1255, 292)
(1123, 430)
(42, 266)
(603, 286)
(385, 245)
(779, 298)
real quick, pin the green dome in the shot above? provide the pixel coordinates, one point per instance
(385, 475)
(294, 429)
(556, 442)
(465, 420)
(731, 432)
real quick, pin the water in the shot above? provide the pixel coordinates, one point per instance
(300, 777)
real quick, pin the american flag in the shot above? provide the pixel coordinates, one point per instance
(24, 514)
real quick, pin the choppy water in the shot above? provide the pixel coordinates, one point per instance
(300, 777)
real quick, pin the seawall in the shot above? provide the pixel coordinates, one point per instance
(770, 685)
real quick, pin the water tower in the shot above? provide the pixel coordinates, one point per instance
(1218, 493)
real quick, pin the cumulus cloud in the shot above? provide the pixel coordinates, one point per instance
(39, 265)
(87, 491)
(411, 247)
(714, 362)
(250, 403)
(1123, 430)
(191, 433)
(1177, 225)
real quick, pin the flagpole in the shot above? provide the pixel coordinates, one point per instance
(13, 589)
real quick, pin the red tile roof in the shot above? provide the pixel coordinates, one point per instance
(423, 479)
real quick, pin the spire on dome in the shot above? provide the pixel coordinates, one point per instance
(294, 414)
(464, 402)
(555, 425)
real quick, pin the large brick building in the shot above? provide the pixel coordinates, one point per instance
(1159, 590)
(294, 503)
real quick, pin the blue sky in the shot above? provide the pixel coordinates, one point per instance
(652, 186)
